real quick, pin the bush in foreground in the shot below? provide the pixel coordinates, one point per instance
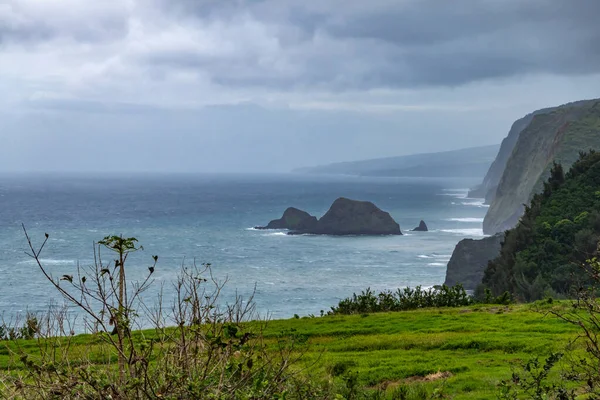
(196, 349)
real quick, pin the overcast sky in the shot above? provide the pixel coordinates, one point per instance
(269, 85)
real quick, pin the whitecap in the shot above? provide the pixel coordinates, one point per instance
(479, 203)
(49, 261)
(465, 219)
(465, 232)
(436, 264)
(276, 234)
(424, 256)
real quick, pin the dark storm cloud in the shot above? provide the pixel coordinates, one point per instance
(407, 43)
(334, 45)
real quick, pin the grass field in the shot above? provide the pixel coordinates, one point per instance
(464, 351)
(473, 348)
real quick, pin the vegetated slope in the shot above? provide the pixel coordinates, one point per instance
(471, 162)
(462, 352)
(559, 231)
(488, 187)
(473, 347)
(558, 135)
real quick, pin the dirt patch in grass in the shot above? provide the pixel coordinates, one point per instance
(414, 379)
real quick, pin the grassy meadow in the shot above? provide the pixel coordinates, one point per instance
(462, 352)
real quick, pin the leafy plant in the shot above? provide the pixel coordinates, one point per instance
(534, 382)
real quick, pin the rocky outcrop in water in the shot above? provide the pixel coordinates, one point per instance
(345, 217)
(469, 260)
(421, 228)
(293, 219)
(352, 217)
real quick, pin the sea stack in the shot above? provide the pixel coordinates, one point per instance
(294, 220)
(421, 228)
(345, 217)
(353, 217)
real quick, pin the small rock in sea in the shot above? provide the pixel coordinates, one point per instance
(422, 227)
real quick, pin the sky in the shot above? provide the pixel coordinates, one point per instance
(271, 85)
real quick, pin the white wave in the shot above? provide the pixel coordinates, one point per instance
(424, 256)
(276, 234)
(465, 219)
(465, 232)
(478, 203)
(456, 195)
(50, 261)
(437, 264)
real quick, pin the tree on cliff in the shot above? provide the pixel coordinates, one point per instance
(558, 232)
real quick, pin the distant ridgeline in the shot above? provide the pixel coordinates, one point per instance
(544, 254)
(471, 162)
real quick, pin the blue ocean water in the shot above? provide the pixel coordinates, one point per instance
(209, 218)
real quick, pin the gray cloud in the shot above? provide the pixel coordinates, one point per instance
(404, 44)
(336, 45)
(27, 22)
(235, 84)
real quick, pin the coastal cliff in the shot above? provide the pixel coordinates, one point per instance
(488, 187)
(470, 259)
(526, 156)
(555, 134)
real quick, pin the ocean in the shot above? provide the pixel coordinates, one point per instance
(210, 219)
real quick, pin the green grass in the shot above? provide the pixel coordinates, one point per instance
(477, 345)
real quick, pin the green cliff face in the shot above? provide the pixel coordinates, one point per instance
(558, 232)
(555, 134)
(490, 183)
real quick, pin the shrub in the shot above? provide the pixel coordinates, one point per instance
(403, 299)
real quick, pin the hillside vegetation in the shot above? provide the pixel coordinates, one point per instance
(560, 230)
(458, 353)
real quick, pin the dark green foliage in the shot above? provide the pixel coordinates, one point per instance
(403, 299)
(559, 231)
